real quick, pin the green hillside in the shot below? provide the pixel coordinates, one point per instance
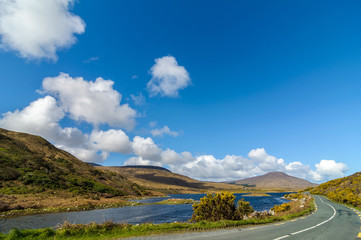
(31, 165)
(343, 190)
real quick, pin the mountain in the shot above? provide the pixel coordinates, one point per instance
(31, 165)
(145, 167)
(93, 164)
(275, 180)
(344, 190)
(163, 180)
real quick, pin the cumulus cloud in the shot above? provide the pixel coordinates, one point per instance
(171, 157)
(163, 131)
(93, 102)
(265, 161)
(80, 100)
(38, 28)
(40, 117)
(330, 169)
(167, 77)
(43, 116)
(146, 148)
(111, 141)
(258, 162)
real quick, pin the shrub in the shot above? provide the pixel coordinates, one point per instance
(220, 206)
(281, 208)
(9, 173)
(293, 196)
(244, 208)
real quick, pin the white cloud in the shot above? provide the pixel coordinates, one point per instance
(265, 162)
(94, 102)
(233, 167)
(40, 117)
(167, 77)
(146, 148)
(173, 158)
(85, 154)
(205, 167)
(141, 161)
(111, 141)
(163, 131)
(330, 169)
(92, 59)
(43, 116)
(153, 124)
(38, 28)
(138, 100)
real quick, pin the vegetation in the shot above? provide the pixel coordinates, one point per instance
(281, 208)
(345, 190)
(175, 201)
(293, 196)
(244, 208)
(220, 206)
(306, 189)
(31, 167)
(110, 230)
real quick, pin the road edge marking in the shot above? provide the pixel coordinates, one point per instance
(317, 225)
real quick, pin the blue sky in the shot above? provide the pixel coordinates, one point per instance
(215, 90)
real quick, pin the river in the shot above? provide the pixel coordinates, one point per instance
(132, 214)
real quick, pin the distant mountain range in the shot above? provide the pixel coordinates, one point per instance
(146, 167)
(163, 180)
(275, 180)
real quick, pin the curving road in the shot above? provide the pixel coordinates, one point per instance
(329, 221)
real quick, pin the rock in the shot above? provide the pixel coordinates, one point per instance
(254, 214)
(263, 214)
(271, 212)
(245, 217)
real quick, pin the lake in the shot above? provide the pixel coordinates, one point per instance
(132, 214)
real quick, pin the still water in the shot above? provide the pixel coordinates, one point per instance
(133, 214)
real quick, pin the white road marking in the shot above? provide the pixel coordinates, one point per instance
(317, 225)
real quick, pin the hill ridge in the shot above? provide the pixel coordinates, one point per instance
(275, 180)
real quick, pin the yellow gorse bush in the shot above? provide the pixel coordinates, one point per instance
(220, 206)
(281, 208)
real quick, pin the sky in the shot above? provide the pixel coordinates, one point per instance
(215, 90)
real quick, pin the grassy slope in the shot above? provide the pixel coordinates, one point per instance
(345, 190)
(32, 168)
(168, 182)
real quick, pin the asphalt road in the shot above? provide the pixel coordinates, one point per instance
(329, 221)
